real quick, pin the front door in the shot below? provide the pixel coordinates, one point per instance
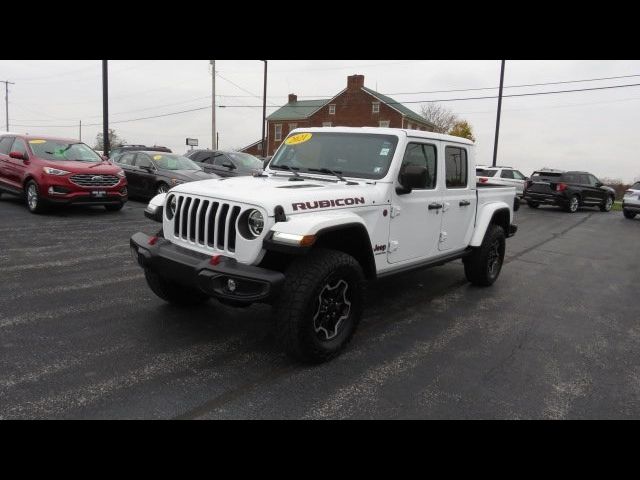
(416, 216)
(15, 167)
(5, 147)
(145, 175)
(125, 162)
(459, 200)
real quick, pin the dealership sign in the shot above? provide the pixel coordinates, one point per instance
(193, 142)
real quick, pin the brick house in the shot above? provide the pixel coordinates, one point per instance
(355, 106)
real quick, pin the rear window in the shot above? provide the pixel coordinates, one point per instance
(486, 173)
(546, 176)
(635, 186)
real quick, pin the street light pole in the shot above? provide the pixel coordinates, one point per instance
(105, 109)
(214, 139)
(264, 111)
(495, 143)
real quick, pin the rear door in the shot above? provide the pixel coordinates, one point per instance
(459, 199)
(598, 193)
(125, 161)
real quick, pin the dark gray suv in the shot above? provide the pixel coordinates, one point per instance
(226, 163)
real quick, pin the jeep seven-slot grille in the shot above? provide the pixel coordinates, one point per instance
(88, 180)
(206, 222)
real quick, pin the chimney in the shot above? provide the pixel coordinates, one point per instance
(293, 98)
(355, 82)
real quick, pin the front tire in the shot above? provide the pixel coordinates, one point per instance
(320, 305)
(607, 205)
(483, 266)
(35, 204)
(628, 214)
(173, 292)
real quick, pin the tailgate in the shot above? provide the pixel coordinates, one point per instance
(544, 182)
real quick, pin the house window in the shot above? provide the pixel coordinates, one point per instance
(293, 126)
(332, 109)
(277, 133)
(326, 124)
(384, 123)
(375, 107)
(260, 147)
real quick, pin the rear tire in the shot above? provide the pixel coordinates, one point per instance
(320, 305)
(574, 203)
(173, 292)
(628, 214)
(483, 266)
(114, 208)
(607, 205)
(35, 204)
(533, 204)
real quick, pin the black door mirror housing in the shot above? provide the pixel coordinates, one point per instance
(412, 176)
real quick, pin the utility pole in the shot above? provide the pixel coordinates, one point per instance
(214, 139)
(495, 143)
(105, 109)
(6, 98)
(264, 111)
(80, 131)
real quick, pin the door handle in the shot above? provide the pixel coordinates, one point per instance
(435, 206)
(464, 203)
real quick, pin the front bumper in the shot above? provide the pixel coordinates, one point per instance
(227, 280)
(60, 190)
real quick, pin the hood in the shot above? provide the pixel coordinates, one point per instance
(295, 197)
(189, 175)
(104, 168)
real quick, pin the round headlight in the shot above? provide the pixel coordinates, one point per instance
(255, 222)
(171, 206)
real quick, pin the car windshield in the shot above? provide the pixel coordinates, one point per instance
(353, 155)
(245, 160)
(168, 161)
(60, 151)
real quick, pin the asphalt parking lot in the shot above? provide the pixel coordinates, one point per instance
(558, 336)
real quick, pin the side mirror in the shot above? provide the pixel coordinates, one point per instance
(412, 176)
(18, 155)
(229, 165)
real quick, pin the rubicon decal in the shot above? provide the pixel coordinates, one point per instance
(340, 202)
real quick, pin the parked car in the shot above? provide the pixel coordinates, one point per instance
(150, 173)
(226, 163)
(569, 190)
(136, 148)
(498, 175)
(52, 170)
(631, 201)
(334, 208)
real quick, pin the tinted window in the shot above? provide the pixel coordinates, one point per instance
(486, 173)
(593, 180)
(456, 167)
(583, 179)
(635, 186)
(220, 160)
(421, 155)
(126, 159)
(546, 176)
(5, 145)
(517, 175)
(506, 174)
(143, 160)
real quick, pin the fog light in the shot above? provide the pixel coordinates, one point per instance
(231, 285)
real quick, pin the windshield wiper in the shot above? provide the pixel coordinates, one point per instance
(336, 173)
(288, 168)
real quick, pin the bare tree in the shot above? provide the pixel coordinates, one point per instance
(443, 118)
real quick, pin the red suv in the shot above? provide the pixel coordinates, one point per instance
(47, 170)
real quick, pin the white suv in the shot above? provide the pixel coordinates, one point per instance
(507, 176)
(631, 201)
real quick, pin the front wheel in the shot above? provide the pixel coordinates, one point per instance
(173, 292)
(320, 305)
(629, 214)
(32, 197)
(162, 188)
(608, 203)
(483, 266)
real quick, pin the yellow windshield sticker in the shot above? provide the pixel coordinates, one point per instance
(298, 138)
(157, 157)
(37, 141)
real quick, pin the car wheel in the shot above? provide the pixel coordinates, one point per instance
(162, 188)
(628, 214)
(574, 203)
(483, 266)
(173, 292)
(607, 205)
(533, 204)
(32, 196)
(320, 305)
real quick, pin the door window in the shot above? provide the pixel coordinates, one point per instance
(421, 155)
(517, 175)
(5, 145)
(507, 174)
(456, 167)
(126, 159)
(593, 181)
(220, 160)
(19, 146)
(143, 161)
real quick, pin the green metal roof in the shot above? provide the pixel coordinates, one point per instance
(297, 110)
(407, 112)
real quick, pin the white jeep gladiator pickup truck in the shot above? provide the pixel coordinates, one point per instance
(334, 208)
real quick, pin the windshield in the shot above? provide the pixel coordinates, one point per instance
(168, 161)
(245, 160)
(352, 155)
(60, 150)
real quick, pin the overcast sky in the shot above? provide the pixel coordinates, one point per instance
(591, 130)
